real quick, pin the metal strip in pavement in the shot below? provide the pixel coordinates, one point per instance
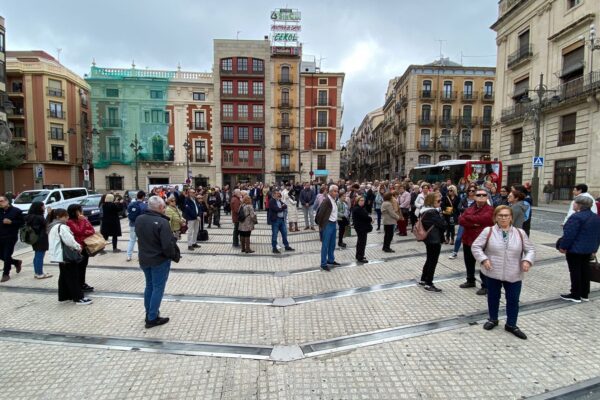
(588, 389)
(137, 344)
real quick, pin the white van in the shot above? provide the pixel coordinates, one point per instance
(55, 198)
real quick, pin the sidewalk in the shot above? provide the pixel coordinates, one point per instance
(554, 207)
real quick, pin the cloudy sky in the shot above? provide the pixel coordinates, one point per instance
(371, 41)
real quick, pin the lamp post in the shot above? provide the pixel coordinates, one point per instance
(87, 156)
(593, 43)
(312, 145)
(187, 146)
(136, 147)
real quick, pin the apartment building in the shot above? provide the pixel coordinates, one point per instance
(3, 97)
(49, 120)
(547, 76)
(363, 145)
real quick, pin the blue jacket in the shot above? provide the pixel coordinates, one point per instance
(189, 211)
(273, 210)
(581, 233)
(307, 196)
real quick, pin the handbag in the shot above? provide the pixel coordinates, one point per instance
(419, 230)
(183, 229)
(348, 231)
(70, 255)
(94, 244)
(594, 270)
(448, 210)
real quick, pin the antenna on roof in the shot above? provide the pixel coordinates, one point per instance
(441, 45)
(237, 35)
(58, 52)
(93, 61)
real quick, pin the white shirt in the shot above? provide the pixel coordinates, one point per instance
(334, 210)
(571, 211)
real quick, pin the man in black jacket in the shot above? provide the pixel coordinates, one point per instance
(11, 219)
(307, 199)
(157, 247)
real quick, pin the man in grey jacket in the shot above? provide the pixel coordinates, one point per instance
(157, 247)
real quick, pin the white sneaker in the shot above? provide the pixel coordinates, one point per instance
(453, 256)
(83, 302)
(43, 276)
(128, 258)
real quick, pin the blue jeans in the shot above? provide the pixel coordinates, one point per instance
(156, 280)
(512, 291)
(458, 240)
(378, 211)
(132, 239)
(328, 244)
(276, 227)
(38, 262)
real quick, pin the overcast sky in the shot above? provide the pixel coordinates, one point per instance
(371, 41)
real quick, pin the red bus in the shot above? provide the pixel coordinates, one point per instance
(472, 170)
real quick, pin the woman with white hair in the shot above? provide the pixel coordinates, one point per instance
(111, 224)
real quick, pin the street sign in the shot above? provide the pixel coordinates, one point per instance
(86, 174)
(311, 173)
(538, 162)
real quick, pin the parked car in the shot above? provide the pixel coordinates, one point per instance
(91, 208)
(55, 198)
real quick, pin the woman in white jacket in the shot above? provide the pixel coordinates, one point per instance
(287, 196)
(505, 253)
(69, 287)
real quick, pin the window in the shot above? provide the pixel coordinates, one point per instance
(258, 111)
(565, 172)
(488, 90)
(167, 117)
(467, 115)
(425, 139)
(56, 110)
(445, 139)
(426, 113)
(115, 182)
(257, 157)
(17, 86)
(55, 88)
(243, 111)
(322, 81)
(258, 88)
(200, 151)
(465, 139)
(242, 64)
(58, 153)
(285, 74)
(228, 110)
(73, 193)
(447, 90)
(243, 134)
(56, 132)
(573, 64)
(242, 87)
(447, 113)
(487, 115)
(445, 157)
(486, 140)
(2, 49)
(468, 90)
(321, 118)
(524, 41)
(113, 117)
(464, 157)
(426, 89)
(243, 156)
(567, 129)
(285, 142)
(227, 156)
(517, 140)
(573, 3)
(258, 65)
(156, 94)
(157, 116)
(227, 87)
(199, 96)
(424, 159)
(514, 175)
(321, 140)
(199, 121)
(114, 149)
(112, 92)
(226, 64)
(521, 90)
(322, 97)
(2, 71)
(257, 134)
(322, 161)
(285, 162)
(228, 134)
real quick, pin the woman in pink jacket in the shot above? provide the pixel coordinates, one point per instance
(505, 254)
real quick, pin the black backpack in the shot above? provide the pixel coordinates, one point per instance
(241, 214)
(28, 235)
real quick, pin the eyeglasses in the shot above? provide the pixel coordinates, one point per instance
(481, 195)
(471, 191)
(503, 215)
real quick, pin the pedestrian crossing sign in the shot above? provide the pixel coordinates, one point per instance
(538, 162)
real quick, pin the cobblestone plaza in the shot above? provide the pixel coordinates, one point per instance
(267, 326)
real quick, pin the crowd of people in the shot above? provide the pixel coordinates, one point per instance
(493, 230)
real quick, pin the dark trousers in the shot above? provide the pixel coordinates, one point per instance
(83, 267)
(217, 217)
(361, 244)
(69, 286)
(378, 212)
(114, 240)
(512, 292)
(7, 247)
(388, 235)
(527, 225)
(579, 269)
(342, 225)
(236, 234)
(413, 218)
(470, 265)
(433, 254)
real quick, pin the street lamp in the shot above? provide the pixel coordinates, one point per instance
(187, 146)
(593, 43)
(87, 154)
(136, 147)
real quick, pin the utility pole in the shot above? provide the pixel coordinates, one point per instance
(535, 182)
(136, 147)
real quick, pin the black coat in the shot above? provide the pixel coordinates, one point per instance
(447, 201)
(11, 231)
(433, 218)
(39, 225)
(111, 224)
(361, 220)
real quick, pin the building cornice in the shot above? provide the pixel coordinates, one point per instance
(558, 35)
(41, 67)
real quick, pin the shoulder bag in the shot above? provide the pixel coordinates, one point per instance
(70, 255)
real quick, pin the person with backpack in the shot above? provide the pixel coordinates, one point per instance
(505, 254)
(12, 219)
(247, 219)
(518, 206)
(435, 226)
(82, 229)
(36, 222)
(134, 210)
(464, 204)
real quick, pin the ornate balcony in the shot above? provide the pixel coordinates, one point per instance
(522, 54)
(469, 96)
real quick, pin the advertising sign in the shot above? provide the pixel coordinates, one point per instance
(285, 14)
(285, 28)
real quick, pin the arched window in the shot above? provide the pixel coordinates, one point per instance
(425, 139)
(486, 139)
(285, 161)
(424, 159)
(487, 115)
(488, 92)
(467, 118)
(426, 91)
(468, 90)
(447, 93)
(426, 112)
(446, 114)
(465, 139)
(445, 139)
(445, 157)
(285, 97)
(285, 74)
(464, 157)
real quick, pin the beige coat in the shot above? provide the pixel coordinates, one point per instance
(505, 257)
(389, 216)
(247, 225)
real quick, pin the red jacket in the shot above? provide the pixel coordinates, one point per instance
(81, 228)
(235, 208)
(474, 220)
